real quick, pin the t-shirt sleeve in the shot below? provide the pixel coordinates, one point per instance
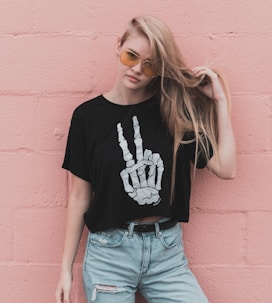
(202, 157)
(75, 159)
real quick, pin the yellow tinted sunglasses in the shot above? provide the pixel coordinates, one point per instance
(129, 58)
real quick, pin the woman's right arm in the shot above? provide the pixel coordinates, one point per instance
(78, 204)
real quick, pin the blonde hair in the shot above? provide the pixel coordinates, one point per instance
(183, 107)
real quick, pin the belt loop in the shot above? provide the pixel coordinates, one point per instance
(157, 229)
(130, 230)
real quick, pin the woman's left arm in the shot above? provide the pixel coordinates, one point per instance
(225, 166)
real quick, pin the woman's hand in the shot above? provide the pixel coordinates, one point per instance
(64, 287)
(211, 86)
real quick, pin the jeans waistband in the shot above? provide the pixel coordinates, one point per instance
(148, 227)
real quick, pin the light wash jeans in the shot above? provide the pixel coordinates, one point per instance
(118, 262)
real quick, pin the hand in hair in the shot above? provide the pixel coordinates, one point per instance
(210, 86)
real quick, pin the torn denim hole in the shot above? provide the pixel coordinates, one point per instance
(106, 289)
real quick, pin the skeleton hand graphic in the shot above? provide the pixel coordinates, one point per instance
(141, 180)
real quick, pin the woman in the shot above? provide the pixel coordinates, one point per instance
(129, 153)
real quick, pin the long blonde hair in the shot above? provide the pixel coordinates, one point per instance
(183, 107)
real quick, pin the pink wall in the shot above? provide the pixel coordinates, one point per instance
(55, 55)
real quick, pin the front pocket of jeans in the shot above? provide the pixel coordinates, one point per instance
(170, 238)
(112, 238)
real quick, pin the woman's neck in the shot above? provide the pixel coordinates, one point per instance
(126, 96)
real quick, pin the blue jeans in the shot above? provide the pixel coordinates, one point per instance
(118, 262)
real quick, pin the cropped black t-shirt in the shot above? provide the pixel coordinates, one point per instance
(125, 152)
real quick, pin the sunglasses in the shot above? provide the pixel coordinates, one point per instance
(129, 58)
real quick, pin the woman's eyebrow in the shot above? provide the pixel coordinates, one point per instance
(137, 54)
(133, 51)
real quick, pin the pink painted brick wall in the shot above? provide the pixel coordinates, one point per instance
(57, 54)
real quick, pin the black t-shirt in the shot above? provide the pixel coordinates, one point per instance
(125, 152)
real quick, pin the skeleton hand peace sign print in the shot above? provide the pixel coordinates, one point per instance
(141, 177)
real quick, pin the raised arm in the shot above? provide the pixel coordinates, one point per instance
(78, 204)
(225, 166)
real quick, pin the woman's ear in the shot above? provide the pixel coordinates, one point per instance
(119, 43)
(118, 46)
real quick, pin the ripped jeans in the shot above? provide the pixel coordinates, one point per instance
(119, 262)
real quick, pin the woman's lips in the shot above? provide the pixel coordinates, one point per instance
(133, 79)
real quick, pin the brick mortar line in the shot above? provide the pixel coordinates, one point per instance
(25, 151)
(245, 237)
(68, 34)
(46, 93)
(232, 266)
(266, 153)
(228, 211)
(28, 264)
(95, 34)
(34, 207)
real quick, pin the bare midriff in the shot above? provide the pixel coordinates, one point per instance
(148, 219)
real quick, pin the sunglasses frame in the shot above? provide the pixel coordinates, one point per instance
(147, 70)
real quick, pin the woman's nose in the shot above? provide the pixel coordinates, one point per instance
(138, 67)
